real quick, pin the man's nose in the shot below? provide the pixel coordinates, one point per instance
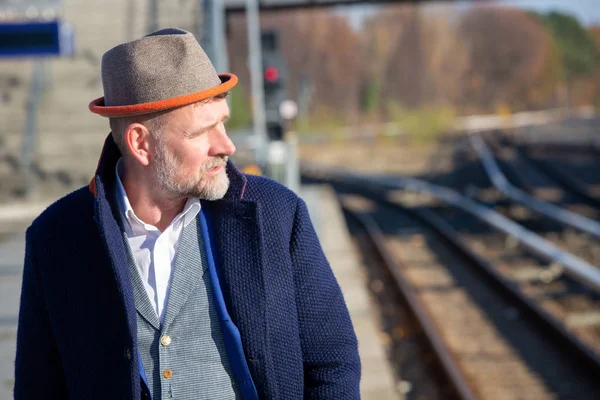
(222, 144)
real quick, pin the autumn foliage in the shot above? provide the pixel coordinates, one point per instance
(478, 60)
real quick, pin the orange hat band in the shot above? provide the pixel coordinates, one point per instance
(97, 106)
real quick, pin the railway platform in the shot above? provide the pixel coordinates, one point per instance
(377, 377)
(11, 270)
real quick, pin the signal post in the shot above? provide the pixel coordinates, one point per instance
(279, 112)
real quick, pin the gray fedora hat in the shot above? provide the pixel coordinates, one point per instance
(163, 70)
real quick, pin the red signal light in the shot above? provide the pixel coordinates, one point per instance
(271, 74)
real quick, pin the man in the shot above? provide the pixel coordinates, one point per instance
(174, 276)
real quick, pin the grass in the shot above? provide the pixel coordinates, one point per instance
(423, 125)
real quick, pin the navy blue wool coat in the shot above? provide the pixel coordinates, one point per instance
(77, 324)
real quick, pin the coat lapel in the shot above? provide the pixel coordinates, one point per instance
(102, 186)
(239, 257)
(238, 242)
(115, 248)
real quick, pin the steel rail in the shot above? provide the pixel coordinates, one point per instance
(577, 268)
(510, 171)
(449, 365)
(550, 210)
(568, 180)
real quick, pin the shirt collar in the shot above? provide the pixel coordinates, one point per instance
(190, 210)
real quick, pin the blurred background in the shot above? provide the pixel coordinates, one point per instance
(448, 152)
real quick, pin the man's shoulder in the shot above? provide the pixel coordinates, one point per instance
(75, 206)
(268, 191)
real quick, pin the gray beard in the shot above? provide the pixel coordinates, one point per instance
(203, 186)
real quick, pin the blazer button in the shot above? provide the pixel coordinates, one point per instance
(168, 373)
(128, 354)
(165, 340)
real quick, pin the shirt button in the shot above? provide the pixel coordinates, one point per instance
(165, 340)
(168, 373)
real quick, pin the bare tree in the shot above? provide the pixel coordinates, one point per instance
(508, 49)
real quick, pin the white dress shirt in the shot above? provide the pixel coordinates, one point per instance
(153, 251)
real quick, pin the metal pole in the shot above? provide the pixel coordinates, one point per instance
(205, 31)
(292, 168)
(31, 127)
(219, 37)
(130, 19)
(214, 35)
(153, 16)
(256, 80)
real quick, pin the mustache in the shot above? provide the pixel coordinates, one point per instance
(215, 162)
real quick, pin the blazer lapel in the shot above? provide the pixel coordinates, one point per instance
(185, 277)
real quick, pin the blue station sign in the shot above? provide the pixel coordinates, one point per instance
(36, 38)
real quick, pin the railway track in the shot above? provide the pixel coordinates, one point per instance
(572, 193)
(542, 184)
(514, 325)
(420, 358)
(577, 169)
(500, 349)
(543, 177)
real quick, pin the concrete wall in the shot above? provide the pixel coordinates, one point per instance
(70, 137)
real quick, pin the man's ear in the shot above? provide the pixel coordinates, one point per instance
(137, 138)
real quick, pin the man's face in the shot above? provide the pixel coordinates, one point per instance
(190, 157)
